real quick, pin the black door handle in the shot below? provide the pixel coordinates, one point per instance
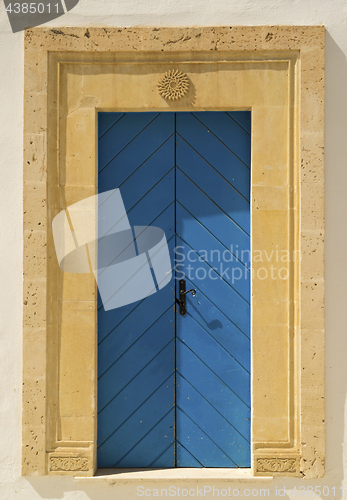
(182, 294)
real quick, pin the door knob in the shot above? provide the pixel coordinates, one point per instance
(182, 302)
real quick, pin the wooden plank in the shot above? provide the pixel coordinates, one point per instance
(123, 132)
(139, 162)
(215, 428)
(128, 332)
(106, 121)
(213, 185)
(212, 150)
(215, 392)
(136, 342)
(184, 458)
(152, 445)
(146, 383)
(212, 338)
(167, 459)
(219, 326)
(203, 209)
(217, 290)
(129, 364)
(242, 118)
(199, 444)
(144, 436)
(215, 357)
(205, 246)
(229, 132)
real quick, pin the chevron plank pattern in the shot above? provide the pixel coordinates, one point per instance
(175, 390)
(136, 352)
(213, 348)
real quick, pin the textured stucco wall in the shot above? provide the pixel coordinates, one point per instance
(179, 13)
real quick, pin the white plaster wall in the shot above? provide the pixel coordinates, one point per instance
(333, 15)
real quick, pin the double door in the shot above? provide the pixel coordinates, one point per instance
(173, 388)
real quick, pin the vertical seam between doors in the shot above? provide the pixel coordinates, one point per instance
(175, 229)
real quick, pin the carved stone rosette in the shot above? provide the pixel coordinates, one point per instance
(58, 464)
(173, 85)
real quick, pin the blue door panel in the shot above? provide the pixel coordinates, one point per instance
(106, 121)
(184, 458)
(162, 364)
(213, 215)
(131, 436)
(147, 176)
(112, 175)
(242, 119)
(213, 151)
(203, 209)
(121, 134)
(126, 334)
(229, 441)
(153, 203)
(175, 390)
(217, 290)
(213, 185)
(219, 326)
(228, 131)
(140, 353)
(143, 386)
(152, 445)
(214, 390)
(136, 342)
(212, 354)
(130, 314)
(199, 444)
(217, 256)
(166, 459)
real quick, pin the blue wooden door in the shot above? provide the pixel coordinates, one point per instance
(174, 390)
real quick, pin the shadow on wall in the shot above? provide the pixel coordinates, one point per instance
(335, 257)
(336, 339)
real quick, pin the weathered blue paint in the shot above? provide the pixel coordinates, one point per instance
(175, 390)
(136, 357)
